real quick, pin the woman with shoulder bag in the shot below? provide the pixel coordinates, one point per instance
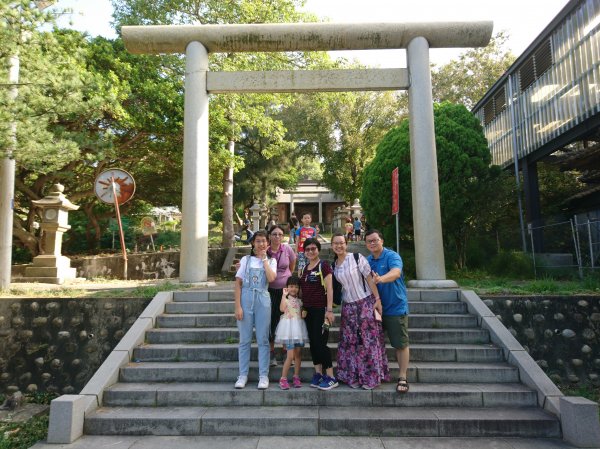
(317, 299)
(361, 361)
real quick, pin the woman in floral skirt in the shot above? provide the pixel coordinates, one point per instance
(361, 360)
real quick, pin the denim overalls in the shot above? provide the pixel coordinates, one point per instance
(256, 304)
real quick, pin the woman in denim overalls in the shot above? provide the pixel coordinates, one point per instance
(253, 308)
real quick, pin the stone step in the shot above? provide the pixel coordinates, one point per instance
(220, 371)
(202, 295)
(229, 352)
(227, 295)
(324, 420)
(227, 320)
(230, 334)
(451, 307)
(223, 394)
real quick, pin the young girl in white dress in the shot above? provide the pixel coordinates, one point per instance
(291, 332)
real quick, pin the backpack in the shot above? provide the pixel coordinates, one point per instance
(337, 286)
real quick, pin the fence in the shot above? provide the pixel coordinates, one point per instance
(572, 244)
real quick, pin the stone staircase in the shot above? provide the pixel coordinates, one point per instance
(179, 381)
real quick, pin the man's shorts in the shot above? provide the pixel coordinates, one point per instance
(396, 328)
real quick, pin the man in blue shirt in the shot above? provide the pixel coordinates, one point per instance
(387, 273)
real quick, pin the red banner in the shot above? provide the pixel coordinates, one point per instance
(395, 192)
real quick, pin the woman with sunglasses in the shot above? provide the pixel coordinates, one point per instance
(361, 360)
(286, 262)
(317, 299)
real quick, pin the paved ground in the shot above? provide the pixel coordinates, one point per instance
(207, 442)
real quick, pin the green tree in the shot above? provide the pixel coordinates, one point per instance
(466, 80)
(234, 117)
(467, 182)
(342, 130)
(130, 116)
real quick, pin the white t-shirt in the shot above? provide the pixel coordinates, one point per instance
(255, 262)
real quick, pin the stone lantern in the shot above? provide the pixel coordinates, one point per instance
(356, 209)
(50, 266)
(255, 210)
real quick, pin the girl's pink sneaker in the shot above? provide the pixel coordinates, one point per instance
(284, 384)
(296, 382)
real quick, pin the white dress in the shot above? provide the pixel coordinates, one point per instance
(291, 330)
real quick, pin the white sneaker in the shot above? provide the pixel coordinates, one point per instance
(263, 382)
(241, 382)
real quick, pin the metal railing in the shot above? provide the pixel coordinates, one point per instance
(572, 244)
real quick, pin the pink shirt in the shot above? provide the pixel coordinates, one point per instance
(285, 256)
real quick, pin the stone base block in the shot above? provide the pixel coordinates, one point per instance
(433, 283)
(67, 414)
(49, 260)
(579, 419)
(50, 269)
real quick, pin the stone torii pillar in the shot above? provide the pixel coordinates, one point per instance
(197, 41)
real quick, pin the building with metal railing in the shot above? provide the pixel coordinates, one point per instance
(548, 101)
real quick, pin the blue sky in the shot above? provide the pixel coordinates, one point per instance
(522, 19)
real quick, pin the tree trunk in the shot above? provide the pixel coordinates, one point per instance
(27, 239)
(263, 202)
(227, 240)
(93, 231)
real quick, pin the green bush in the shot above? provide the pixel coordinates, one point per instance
(168, 238)
(511, 264)
(217, 215)
(468, 184)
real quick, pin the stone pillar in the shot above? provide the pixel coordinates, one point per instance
(429, 248)
(320, 209)
(194, 224)
(7, 193)
(338, 215)
(292, 203)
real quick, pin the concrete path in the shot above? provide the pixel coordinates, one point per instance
(290, 442)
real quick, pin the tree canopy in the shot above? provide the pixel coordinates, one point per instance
(466, 80)
(467, 182)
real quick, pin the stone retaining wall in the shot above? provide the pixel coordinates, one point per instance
(561, 333)
(159, 265)
(56, 345)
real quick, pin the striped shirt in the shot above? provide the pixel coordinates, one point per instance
(350, 275)
(313, 292)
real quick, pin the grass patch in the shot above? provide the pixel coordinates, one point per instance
(22, 435)
(591, 393)
(485, 284)
(98, 288)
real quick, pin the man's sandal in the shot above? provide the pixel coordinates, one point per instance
(402, 385)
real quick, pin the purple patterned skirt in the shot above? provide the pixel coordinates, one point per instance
(361, 357)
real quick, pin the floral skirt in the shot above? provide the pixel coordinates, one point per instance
(361, 358)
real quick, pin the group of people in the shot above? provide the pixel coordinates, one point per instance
(293, 310)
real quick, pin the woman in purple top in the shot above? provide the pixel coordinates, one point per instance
(286, 262)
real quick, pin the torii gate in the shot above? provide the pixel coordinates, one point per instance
(196, 41)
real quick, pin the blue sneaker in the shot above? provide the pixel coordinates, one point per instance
(328, 383)
(316, 380)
